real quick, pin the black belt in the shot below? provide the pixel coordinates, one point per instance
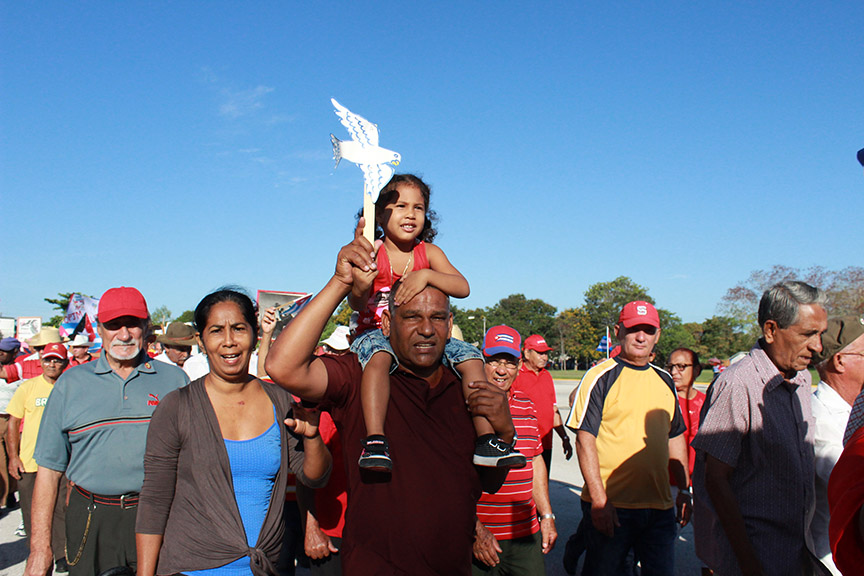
(123, 501)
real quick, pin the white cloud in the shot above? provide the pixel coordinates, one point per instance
(243, 102)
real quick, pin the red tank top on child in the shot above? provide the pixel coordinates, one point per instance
(370, 317)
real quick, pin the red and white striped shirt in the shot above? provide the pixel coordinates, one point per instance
(510, 513)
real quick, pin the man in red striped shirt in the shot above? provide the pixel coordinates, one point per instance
(509, 538)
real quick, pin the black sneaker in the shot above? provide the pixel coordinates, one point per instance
(376, 454)
(61, 567)
(491, 451)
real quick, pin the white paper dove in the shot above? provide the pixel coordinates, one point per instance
(364, 151)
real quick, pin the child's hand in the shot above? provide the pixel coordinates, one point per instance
(412, 284)
(363, 280)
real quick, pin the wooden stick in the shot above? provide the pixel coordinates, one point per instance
(369, 215)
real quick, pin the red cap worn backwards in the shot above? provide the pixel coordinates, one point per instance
(536, 342)
(639, 312)
(55, 350)
(122, 301)
(502, 340)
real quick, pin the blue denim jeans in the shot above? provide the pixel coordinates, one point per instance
(372, 341)
(649, 533)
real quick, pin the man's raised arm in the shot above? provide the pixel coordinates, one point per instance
(291, 362)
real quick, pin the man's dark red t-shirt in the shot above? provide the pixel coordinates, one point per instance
(419, 520)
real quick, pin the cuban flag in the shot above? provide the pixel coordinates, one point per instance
(604, 345)
(504, 338)
(80, 317)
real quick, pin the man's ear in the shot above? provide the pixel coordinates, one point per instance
(839, 364)
(385, 322)
(769, 331)
(617, 329)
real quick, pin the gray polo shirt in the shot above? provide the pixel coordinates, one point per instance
(94, 427)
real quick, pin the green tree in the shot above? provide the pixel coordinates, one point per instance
(604, 300)
(525, 316)
(60, 303)
(470, 321)
(576, 335)
(844, 288)
(188, 316)
(161, 316)
(673, 335)
(341, 317)
(723, 336)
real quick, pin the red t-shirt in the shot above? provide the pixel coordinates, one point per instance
(332, 499)
(845, 498)
(74, 361)
(541, 390)
(419, 520)
(690, 409)
(370, 317)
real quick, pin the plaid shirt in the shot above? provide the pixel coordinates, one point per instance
(760, 424)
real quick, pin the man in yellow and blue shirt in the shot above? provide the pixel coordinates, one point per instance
(629, 428)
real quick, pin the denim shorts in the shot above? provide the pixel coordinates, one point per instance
(372, 341)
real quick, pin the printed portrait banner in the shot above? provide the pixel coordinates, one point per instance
(284, 302)
(28, 326)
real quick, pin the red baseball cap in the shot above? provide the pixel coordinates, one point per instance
(502, 340)
(55, 350)
(639, 312)
(122, 301)
(536, 342)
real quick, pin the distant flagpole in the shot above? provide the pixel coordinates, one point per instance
(607, 342)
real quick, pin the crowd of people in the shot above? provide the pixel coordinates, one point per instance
(391, 447)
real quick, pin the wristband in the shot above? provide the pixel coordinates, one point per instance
(545, 516)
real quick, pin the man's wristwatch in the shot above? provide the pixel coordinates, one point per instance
(545, 516)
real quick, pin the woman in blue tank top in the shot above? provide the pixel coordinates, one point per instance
(218, 455)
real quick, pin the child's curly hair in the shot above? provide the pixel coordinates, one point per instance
(389, 194)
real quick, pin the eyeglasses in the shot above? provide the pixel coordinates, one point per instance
(508, 364)
(680, 367)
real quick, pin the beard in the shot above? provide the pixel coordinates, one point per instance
(133, 344)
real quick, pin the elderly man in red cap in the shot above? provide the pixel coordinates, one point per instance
(535, 382)
(94, 429)
(629, 429)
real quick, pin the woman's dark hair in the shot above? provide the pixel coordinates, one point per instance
(227, 294)
(390, 194)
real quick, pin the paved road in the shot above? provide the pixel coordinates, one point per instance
(565, 489)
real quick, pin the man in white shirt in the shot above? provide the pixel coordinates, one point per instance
(841, 369)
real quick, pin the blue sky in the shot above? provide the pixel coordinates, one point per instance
(180, 146)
